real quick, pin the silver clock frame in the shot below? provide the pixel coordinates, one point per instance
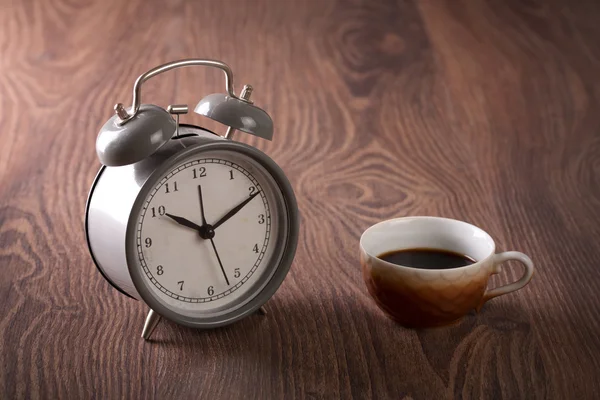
(108, 235)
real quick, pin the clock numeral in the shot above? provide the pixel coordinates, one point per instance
(200, 172)
(255, 248)
(148, 242)
(230, 174)
(161, 211)
(252, 189)
(174, 187)
(159, 270)
(236, 273)
(261, 219)
(180, 283)
(211, 290)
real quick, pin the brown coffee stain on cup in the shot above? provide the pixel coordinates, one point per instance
(424, 298)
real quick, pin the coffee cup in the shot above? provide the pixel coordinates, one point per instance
(438, 295)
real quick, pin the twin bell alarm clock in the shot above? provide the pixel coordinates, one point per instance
(201, 228)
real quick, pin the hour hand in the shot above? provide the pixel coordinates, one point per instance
(184, 222)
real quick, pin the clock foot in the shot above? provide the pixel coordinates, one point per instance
(262, 311)
(151, 321)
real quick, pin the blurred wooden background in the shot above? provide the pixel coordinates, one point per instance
(486, 111)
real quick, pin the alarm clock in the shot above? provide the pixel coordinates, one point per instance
(201, 228)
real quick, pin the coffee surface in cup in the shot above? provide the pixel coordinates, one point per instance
(424, 258)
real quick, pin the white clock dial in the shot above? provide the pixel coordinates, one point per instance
(208, 263)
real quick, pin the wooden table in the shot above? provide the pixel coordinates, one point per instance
(487, 112)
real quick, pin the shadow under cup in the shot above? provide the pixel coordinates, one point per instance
(421, 298)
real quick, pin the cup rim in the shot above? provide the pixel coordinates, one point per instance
(424, 217)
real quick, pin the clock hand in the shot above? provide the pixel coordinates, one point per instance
(219, 259)
(234, 210)
(208, 232)
(184, 222)
(201, 205)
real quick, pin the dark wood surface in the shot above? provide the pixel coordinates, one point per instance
(486, 111)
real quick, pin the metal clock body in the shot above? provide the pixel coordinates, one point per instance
(144, 226)
(199, 227)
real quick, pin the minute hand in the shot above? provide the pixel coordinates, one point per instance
(234, 210)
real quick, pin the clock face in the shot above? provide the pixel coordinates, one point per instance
(207, 233)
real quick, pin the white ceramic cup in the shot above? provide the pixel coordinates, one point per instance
(421, 298)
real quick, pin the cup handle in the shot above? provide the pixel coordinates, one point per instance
(498, 260)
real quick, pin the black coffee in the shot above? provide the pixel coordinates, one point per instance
(427, 258)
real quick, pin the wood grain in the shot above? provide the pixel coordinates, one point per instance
(485, 111)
